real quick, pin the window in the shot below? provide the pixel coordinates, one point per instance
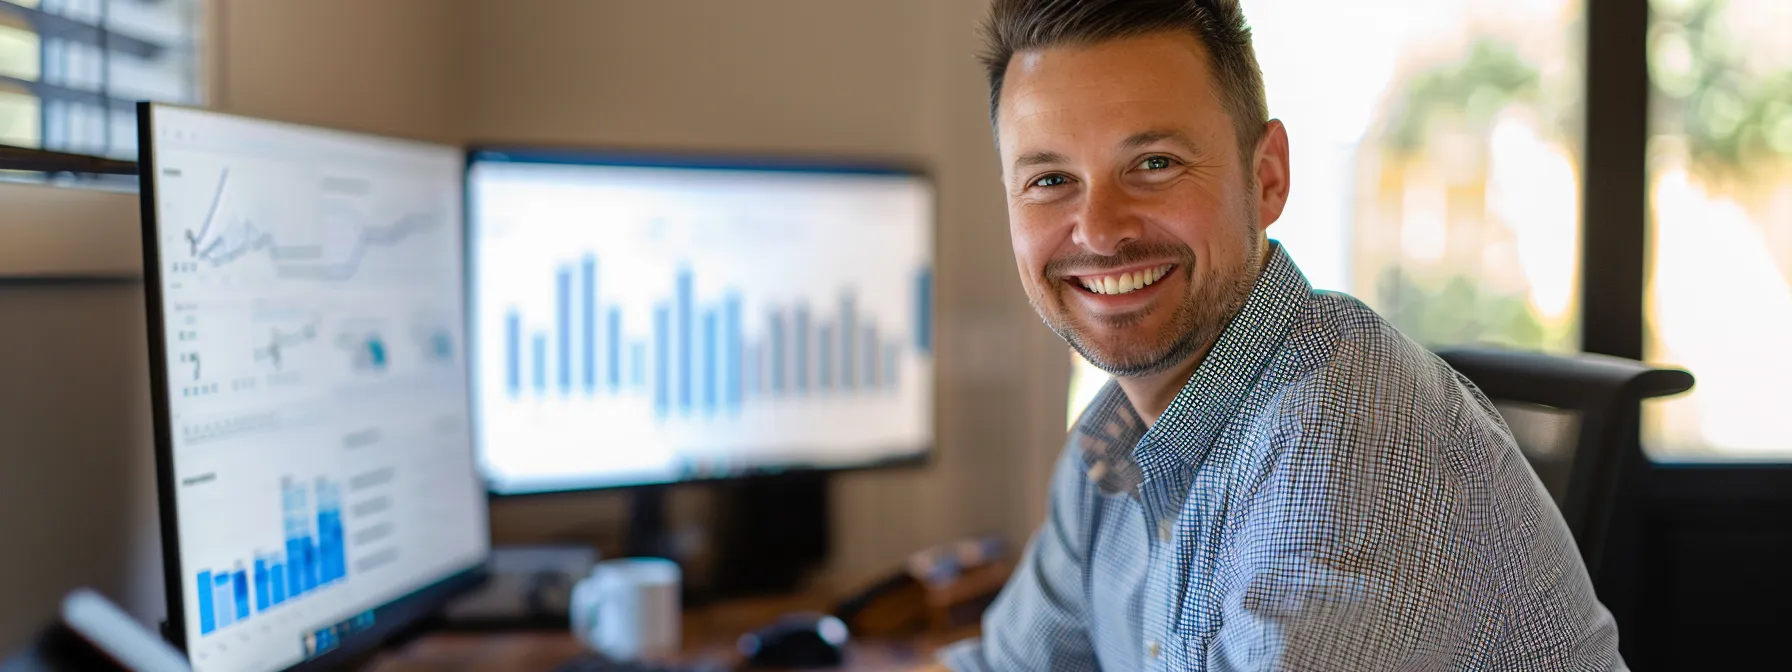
(71, 71)
(1719, 294)
(1435, 160)
(1435, 152)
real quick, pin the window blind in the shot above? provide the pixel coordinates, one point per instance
(72, 70)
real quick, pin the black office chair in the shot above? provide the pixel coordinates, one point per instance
(1576, 420)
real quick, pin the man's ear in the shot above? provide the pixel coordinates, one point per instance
(1270, 166)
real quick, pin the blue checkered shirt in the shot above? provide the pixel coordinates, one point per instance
(1323, 494)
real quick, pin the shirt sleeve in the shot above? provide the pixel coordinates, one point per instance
(1040, 620)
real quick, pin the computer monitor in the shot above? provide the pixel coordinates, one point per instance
(647, 319)
(308, 354)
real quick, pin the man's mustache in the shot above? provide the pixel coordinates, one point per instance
(1131, 254)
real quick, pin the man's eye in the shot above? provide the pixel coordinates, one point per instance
(1155, 163)
(1050, 181)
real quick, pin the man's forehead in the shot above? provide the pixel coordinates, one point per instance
(1105, 92)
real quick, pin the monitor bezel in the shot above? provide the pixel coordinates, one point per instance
(671, 157)
(391, 617)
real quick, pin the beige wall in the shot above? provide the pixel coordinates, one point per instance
(872, 79)
(378, 66)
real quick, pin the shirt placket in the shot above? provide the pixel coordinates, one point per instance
(1161, 495)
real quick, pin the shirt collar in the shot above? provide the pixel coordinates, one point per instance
(1110, 431)
(1232, 368)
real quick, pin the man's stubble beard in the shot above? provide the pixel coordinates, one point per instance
(1197, 323)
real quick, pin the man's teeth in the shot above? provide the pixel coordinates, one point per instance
(1124, 282)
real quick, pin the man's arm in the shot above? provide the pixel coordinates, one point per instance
(1041, 619)
(1354, 548)
(1384, 536)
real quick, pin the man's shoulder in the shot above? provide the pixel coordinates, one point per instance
(1343, 357)
(1342, 346)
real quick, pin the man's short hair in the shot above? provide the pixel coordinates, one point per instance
(1025, 25)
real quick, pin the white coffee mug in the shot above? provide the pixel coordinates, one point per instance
(628, 609)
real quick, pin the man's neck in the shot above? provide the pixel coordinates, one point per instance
(1151, 394)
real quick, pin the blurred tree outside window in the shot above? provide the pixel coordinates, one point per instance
(1718, 299)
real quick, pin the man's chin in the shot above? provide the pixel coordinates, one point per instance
(1125, 365)
(1120, 358)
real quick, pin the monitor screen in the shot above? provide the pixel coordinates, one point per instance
(307, 341)
(642, 320)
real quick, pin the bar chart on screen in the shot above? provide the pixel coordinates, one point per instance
(313, 557)
(630, 324)
(705, 362)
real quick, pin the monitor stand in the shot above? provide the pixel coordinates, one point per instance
(770, 533)
(648, 534)
(767, 533)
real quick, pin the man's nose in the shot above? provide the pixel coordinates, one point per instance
(1106, 221)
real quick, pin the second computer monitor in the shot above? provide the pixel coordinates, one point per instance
(653, 319)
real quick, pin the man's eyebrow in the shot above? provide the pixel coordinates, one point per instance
(1147, 138)
(1037, 158)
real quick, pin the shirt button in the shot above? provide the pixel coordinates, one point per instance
(1152, 649)
(1166, 528)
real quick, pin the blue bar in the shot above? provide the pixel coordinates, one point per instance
(223, 603)
(588, 314)
(295, 558)
(924, 311)
(310, 566)
(541, 363)
(277, 579)
(777, 347)
(263, 598)
(240, 587)
(662, 360)
(824, 336)
(326, 551)
(293, 499)
(513, 359)
(731, 360)
(800, 332)
(207, 596)
(849, 332)
(870, 352)
(889, 379)
(614, 344)
(687, 357)
(332, 560)
(637, 365)
(588, 278)
(712, 342)
(563, 322)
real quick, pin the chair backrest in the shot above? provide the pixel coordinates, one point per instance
(1575, 419)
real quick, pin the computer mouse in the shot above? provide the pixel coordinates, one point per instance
(798, 640)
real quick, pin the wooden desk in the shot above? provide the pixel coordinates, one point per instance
(709, 636)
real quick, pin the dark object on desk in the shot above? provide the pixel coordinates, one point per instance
(942, 589)
(804, 640)
(529, 587)
(1575, 418)
(92, 634)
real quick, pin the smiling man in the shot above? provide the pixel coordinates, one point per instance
(1276, 479)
